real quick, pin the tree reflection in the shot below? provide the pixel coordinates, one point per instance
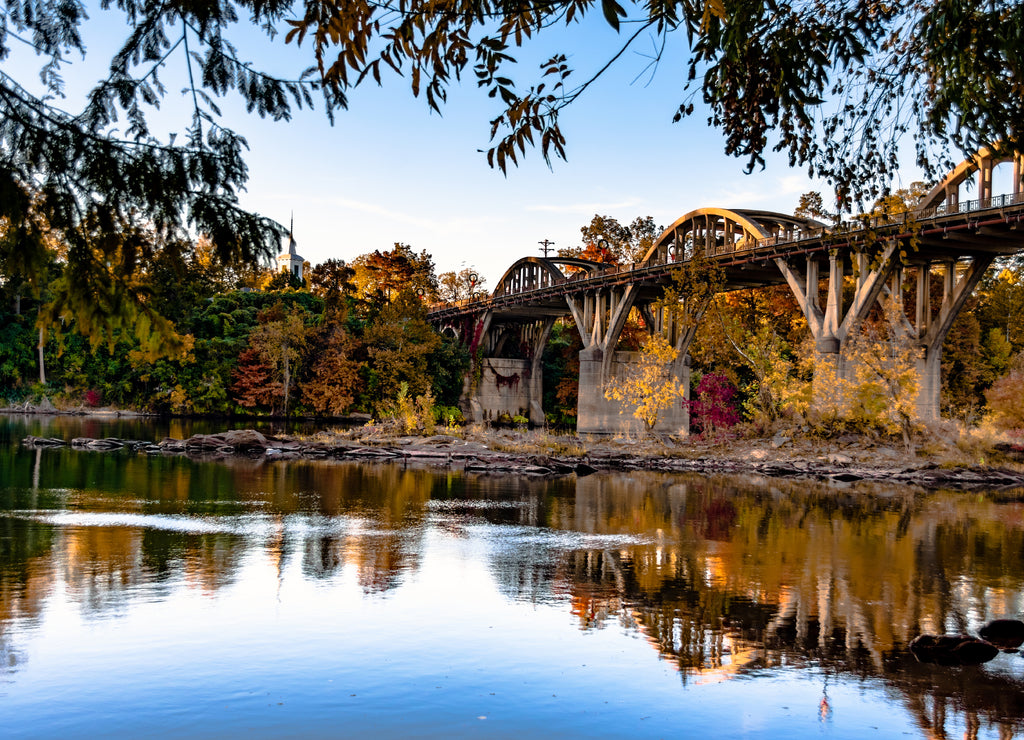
(722, 577)
(26, 579)
(752, 576)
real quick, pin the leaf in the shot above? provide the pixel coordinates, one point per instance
(612, 12)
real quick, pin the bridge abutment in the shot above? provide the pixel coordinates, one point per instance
(505, 386)
(599, 415)
(508, 385)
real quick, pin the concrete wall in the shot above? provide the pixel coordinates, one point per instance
(598, 415)
(491, 399)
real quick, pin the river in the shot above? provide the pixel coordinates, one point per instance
(168, 597)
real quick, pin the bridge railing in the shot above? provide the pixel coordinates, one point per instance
(980, 204)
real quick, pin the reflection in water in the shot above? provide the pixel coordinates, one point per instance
(725, 578)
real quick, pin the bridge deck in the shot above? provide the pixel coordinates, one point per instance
(978, 227)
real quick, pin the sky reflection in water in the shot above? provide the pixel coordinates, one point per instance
(163, 597)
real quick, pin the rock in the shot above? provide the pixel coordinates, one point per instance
(43, 442)
(951, 650)
(440, 439)
(583, 469)
(45, 407)
(757, 454)
(846, 477)
(204, 442)
(244, 439)
(105, 445)
(1005, 634)
(975, 652)
(170, 444)
(839, 459)
(779, 440)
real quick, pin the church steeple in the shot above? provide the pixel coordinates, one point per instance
(290, 260)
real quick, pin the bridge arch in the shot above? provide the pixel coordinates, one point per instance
(532, 273)
(712, 231)
(945, 197)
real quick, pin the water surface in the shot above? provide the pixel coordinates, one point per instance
(167, 597)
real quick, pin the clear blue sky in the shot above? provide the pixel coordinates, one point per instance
(391, 171)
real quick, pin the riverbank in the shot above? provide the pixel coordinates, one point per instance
(942, 463)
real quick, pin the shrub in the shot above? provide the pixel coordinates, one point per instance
(715, 407)
(1006, 398)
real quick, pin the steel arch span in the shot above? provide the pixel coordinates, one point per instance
(721, 231)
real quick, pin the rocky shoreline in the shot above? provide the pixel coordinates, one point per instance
(475, 456)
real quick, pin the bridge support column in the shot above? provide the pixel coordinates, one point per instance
(931, 330)
(597, 415)
(831, 326)
(600, 319)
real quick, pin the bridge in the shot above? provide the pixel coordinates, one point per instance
(947, 241)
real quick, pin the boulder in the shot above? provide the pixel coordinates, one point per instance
(244, 439)
(952, 650)
(204, 442)
(1005, 634)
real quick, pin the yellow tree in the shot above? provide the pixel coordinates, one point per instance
(879, 386)
(649, 387)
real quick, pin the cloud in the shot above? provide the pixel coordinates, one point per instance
(587, 208)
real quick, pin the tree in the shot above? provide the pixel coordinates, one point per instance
(714, 405)
(280, 340)
(383, 275)
(334, 381)
(1006, 397)
(332, 280)
(1003, 306)
(399, 342)
(885, 378)
(252, 381)
(833, 85)
(648, 388)
(604, 239)
(812, 205)
(457, 286)
(104, 180)
(283, 280)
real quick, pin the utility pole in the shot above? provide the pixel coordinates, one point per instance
(546, 246)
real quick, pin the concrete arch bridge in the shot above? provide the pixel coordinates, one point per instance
(949, 240)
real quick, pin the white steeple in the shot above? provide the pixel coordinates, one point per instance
(290, 260)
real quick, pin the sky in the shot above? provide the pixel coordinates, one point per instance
(391, 171)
